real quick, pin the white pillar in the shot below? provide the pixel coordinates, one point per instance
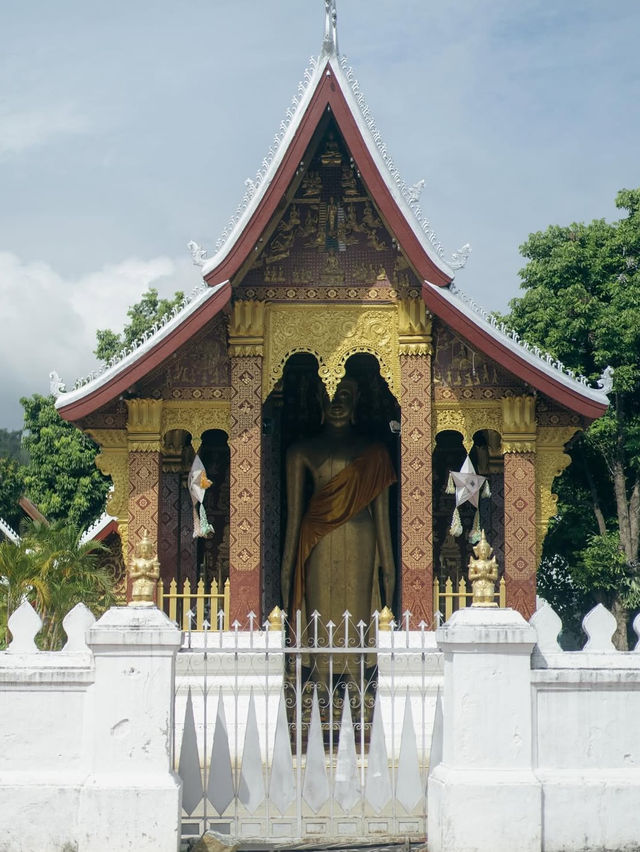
(484, 796)
(131, 801)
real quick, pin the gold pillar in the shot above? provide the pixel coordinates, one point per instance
(551, 460)
(245, 443)
(144, 447)
(113, 461)
(519, 448)
(414, 330)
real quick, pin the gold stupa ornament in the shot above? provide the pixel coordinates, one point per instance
(144, 572)
(483, 573)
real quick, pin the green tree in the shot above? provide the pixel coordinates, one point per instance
(582, 304)
(54, 570)
(11, 445)
(142, 316)
(11, 488)
(61, 478)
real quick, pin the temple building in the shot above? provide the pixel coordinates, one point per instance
(330, 268)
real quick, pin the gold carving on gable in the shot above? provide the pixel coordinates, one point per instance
(331, 232)
(458, 366)
(332, 335)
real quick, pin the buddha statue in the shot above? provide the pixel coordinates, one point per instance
(144, 572)
(335, 545)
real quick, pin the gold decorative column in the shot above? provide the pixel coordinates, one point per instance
(520, 556)
(145, 470)
(414, 330)
(551, 460)
(245, 439)
(113, 461)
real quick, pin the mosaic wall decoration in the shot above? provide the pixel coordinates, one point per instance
(520, 532)
(144, 480)
(245, 476)
(417, 524)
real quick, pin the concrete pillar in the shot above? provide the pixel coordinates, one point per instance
(484, 796)
(132, 797)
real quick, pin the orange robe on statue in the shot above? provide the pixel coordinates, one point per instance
(343, 497)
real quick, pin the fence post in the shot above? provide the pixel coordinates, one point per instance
(484, 796)
(131, 799)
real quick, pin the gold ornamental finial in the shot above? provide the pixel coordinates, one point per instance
(483, 573)
(275, 619)
(144, 572)
(385, 619)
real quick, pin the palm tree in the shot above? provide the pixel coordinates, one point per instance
(54, 569)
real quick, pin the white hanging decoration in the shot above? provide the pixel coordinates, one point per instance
(467, 485)
(198, 484)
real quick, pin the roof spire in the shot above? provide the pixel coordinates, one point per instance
(330, 41)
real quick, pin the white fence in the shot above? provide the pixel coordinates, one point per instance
(267, 746)
(531, 748)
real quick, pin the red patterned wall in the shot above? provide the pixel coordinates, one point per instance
(417, 532)
(520, 532)
(245, 483)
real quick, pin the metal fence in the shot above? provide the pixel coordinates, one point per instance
(318, 732)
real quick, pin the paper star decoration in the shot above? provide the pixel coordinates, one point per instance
(468, 484)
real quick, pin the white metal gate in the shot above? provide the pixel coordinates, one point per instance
(268, 747)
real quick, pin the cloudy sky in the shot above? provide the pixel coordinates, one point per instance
(128, 128)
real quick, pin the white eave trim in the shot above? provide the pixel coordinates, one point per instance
(107, 374)
(8, 532)
(552, 368)
(97, 527)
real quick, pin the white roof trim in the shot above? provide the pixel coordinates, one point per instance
(96, 527)
(10, 533)
(399, 189)
(128, 356)
(533, 355)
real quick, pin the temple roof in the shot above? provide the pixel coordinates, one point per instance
(329, 85)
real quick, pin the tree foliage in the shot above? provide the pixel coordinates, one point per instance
(11, 488)
(582, 304)
(142, 316)
(61, 478)
(54, 570)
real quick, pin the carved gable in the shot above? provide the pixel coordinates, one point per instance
(330, 242)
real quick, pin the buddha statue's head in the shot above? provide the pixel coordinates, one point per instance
(340, 411)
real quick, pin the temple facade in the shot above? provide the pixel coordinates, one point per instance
(330, 268)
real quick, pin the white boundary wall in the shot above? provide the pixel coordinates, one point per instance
(541, 748)
(85, 735)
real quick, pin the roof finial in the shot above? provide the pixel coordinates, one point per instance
(330, 41)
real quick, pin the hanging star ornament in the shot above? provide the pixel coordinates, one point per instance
(468, 484)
